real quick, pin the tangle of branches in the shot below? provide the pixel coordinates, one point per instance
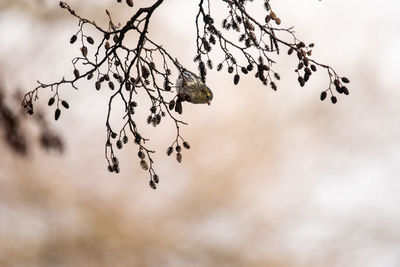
(150, 68)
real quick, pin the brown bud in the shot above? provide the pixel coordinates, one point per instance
(57, 114)
(111, 85)
(171, 105)
(129, 3)
(73, 39)
(178, 107)
(186, 145)
(313, 68)
(152, 184)
(90, 40)
(273, 15)
(51, 101)
(144, 165)
(236, 79)
(76, 73)
(301, 81)
(323, 95)
(179, 157)
(345, 80)
(65, 104)
(84, 51)
(170, 150)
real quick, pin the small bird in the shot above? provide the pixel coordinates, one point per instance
(191, 88)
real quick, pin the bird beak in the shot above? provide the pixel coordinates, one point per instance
(208, 102)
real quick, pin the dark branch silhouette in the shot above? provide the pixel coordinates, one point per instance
(149, 67)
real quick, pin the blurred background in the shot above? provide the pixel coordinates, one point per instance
(272, 178)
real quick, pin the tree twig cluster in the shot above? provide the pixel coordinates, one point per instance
(147, 67)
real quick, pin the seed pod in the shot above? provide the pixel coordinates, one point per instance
(156, 179)
(116, 168)
(141, 155)
(179, 157)
(300, 66)
(90, 40)
(73, 39)
(339, 89)
(267, 19)
(313, 68)
(110, 168)
(178, 148)
(90, 76)
(98, 85)
(107, 45)
(277, 76)
(76, 73)
(230, 69)
(249, 67)
(301, 81)
(186, 145)
(306, 77)
(323, 95)
(219, 67)
(171, 105)
(152, 184)
(345, 90)
(212, 40)
(119, 144)
(111, 85)
(57, 114)
(170, 150)
(51, 101)
(125, 139)
(129, 3)
(244, 70)
(178, 106)
(336, 82)
(65, 104)
(290, 51)
(128, 86)
(84, 51)
(307, 71)
(236, 79)
(209, 64)
(345, 80)
(333, 99)
(278, 21)
(273, 86)
(273, 15)
(299, 55)
(113, 135)
(144, 165)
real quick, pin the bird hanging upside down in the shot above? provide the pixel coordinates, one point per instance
(192, 89)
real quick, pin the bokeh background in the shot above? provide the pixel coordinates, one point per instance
(272, 178)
